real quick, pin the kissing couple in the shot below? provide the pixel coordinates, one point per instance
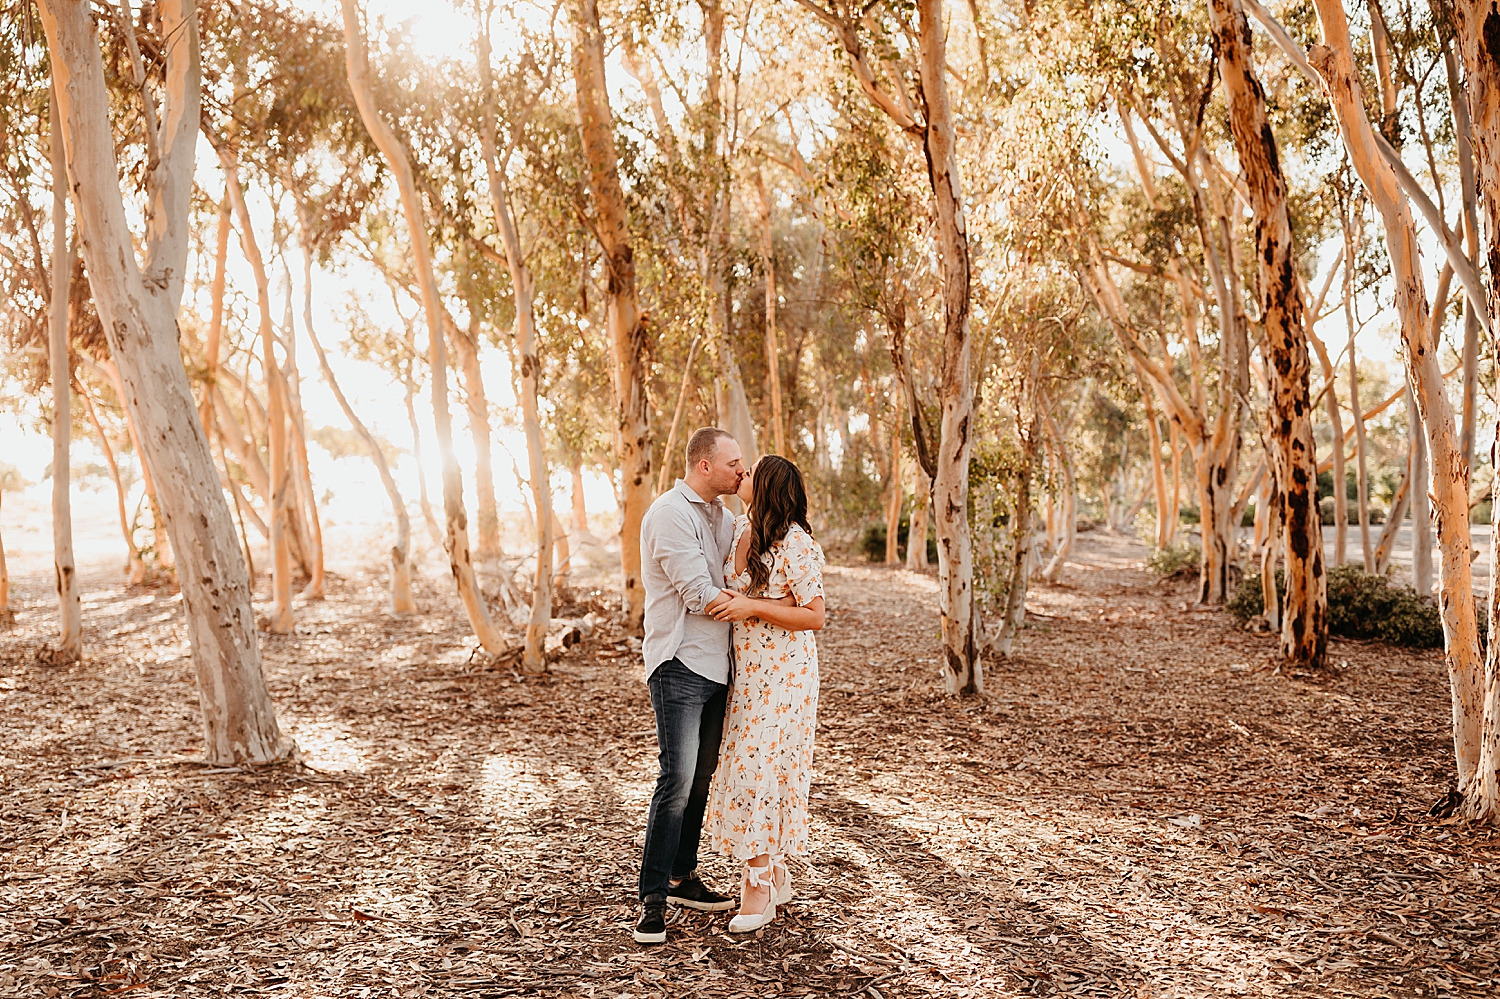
(731, 605)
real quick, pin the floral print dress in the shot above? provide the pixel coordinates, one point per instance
(758, 803)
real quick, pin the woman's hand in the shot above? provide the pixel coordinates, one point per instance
(732, 605)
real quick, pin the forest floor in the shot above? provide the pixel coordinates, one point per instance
(1138, 806)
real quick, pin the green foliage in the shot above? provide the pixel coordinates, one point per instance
(1175, 558)
(1360, 605)
(872, 541)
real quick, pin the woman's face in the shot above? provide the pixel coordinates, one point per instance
(744, 491)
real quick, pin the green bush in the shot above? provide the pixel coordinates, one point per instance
(1360, 605)
(1175, 558)
(872, 542)
(1247, 601)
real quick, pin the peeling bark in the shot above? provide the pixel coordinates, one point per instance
(138, 301)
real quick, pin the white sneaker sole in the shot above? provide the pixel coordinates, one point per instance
(723, 906)
(650, 937)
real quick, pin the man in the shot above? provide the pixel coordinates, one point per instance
(685, 537)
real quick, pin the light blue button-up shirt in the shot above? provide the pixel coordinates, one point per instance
(684, 542)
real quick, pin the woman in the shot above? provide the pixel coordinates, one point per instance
(757, 809)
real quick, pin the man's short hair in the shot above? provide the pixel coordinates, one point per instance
(703, 444)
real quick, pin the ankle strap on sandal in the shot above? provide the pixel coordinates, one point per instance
(759, 877)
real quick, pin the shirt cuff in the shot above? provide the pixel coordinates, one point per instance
(712, 595)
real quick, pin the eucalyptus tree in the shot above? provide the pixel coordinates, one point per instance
(1304, 631)
(138, 297)
(628, 333)
(456, 538)
(923, 49)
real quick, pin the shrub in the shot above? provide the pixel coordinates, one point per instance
(1248, 600)
(872, 541)
(1360, 605)
(1175, 558)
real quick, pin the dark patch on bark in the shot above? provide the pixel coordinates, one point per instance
(1491, 33)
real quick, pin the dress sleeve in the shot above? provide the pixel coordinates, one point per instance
(804, 566)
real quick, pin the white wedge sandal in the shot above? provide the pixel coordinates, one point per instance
(759, 877)
(783, 891)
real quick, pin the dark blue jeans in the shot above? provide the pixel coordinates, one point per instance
(689, 723)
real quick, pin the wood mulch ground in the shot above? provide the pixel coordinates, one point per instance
(1135, 808)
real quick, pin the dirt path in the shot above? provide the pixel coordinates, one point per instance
(1133, 810)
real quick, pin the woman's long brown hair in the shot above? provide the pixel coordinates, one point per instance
(778, 499)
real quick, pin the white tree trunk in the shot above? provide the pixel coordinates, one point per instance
(137, 305)
(69, 606)
(533, 656)
(7, 613)
(1333, 61)
(955, 555)
(773, 354)
(401, 600)
(457, 536)
(1421, 508)
(279, 619)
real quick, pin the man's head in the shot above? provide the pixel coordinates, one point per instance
(714, 464)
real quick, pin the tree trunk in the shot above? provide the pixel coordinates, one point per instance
(1357, 413)
(279, 617)
(1476, 24)
(1304, 633)
(424, 503)
(307, 499)
(65, 573)
(1270, 599)
(7, 613)
(1158, 474)
(773, 353)
(1013, 613)
(669, 454)
(1336, 423)
(1174, 514)
(533, 657)
(894, 497)
(1400, 501)
(402, 601)
(138, 306)
(160, 542)
(466, 346)
(1068, 530)
(627, 328)
(916, 534)
(955, 557)
(135, 569)
(1334, 63)
(211, 343)
(1421, 508)
(457, 538)
(580, 504)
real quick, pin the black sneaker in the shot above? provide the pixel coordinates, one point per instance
(652, 926)
(692, 893)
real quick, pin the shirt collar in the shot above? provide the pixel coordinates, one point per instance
(693, 497)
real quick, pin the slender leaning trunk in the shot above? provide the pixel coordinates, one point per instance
(628, 335)
(279, 618)
(533, 656)
(1333, 61)
(394, 152)
(773, 353)
(138, 303)
(963, 673)
(69, 606)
